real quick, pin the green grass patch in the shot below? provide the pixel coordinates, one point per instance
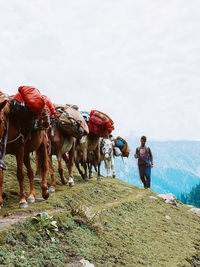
(109, 223)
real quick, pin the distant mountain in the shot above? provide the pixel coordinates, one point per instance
(176, 166)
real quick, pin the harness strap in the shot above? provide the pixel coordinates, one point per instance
(12, 141)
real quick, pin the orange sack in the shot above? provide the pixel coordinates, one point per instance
(32, 98)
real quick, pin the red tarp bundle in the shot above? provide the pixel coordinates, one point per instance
(32, 98)
(18, 97)
(100, 124)
(49, 104)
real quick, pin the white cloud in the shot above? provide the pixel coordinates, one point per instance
(136, 60)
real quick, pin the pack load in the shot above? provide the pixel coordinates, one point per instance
(3, 99)
(123, 146)
(70, 120)
(29, 102)
(32, 98)
(49, 105)
(86, 115)
(100, 123)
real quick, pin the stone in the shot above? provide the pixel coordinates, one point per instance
(168, 217)
(169, 198)
(195, 211)
(86, 263)
(152, 197)
(80, 263)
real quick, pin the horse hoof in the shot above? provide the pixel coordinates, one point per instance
(98, 179)
(113, 176)
(51, 189)
(71, 184)
(31, 200)
(86, 181)
(23, 205)
(46, 196)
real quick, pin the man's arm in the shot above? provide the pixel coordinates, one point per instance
(150, 156)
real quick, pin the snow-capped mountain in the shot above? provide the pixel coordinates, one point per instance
(176, 165)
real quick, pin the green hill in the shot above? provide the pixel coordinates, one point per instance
(109, 223)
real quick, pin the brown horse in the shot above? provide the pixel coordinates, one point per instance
(61, 143)
(86, 148)
(22, 139)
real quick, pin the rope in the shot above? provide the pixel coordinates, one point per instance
(12, 141)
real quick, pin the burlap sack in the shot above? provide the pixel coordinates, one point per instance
(70, 117)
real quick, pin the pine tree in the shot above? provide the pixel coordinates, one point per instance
(192, 198)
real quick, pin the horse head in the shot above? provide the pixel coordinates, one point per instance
(106, 148)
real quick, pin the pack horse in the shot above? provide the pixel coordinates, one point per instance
(107, 147)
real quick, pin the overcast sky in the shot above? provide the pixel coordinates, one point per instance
(138, 61)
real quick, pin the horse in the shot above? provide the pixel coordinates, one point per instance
(17, 131)
(61, 143)
(107, 155)
(86, 145)
(69, 125)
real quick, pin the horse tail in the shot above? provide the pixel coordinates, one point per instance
(42, 161)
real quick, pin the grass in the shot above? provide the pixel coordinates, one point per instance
(109, 223)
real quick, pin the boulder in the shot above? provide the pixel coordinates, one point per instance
(169, 198)
(195, 211)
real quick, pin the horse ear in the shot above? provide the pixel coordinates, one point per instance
(2, 104)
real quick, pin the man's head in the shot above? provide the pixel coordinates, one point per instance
(143, 140)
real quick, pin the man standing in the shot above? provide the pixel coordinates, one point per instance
(145, 162)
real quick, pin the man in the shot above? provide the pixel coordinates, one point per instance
(145, 162)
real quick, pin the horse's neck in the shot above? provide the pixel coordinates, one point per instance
(92, 142)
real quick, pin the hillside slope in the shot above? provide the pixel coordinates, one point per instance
(109, 223)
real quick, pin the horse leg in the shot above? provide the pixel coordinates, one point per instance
(20, 177)
(97, 154)
(60, 168)
(69, 165)
(42, 166)
(90, 170)
(106, 167)
(113, 167)
(31, 198)
(109, 168)
(51, 172)
(1, 188)
(85, 169)
(98, 173)
(79, 169)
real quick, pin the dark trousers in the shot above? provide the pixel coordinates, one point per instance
(145, 175)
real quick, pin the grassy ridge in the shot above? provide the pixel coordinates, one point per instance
(110, 223)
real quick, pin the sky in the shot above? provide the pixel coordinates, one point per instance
(137, 61)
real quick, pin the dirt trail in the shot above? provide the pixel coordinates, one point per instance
(11, 219)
